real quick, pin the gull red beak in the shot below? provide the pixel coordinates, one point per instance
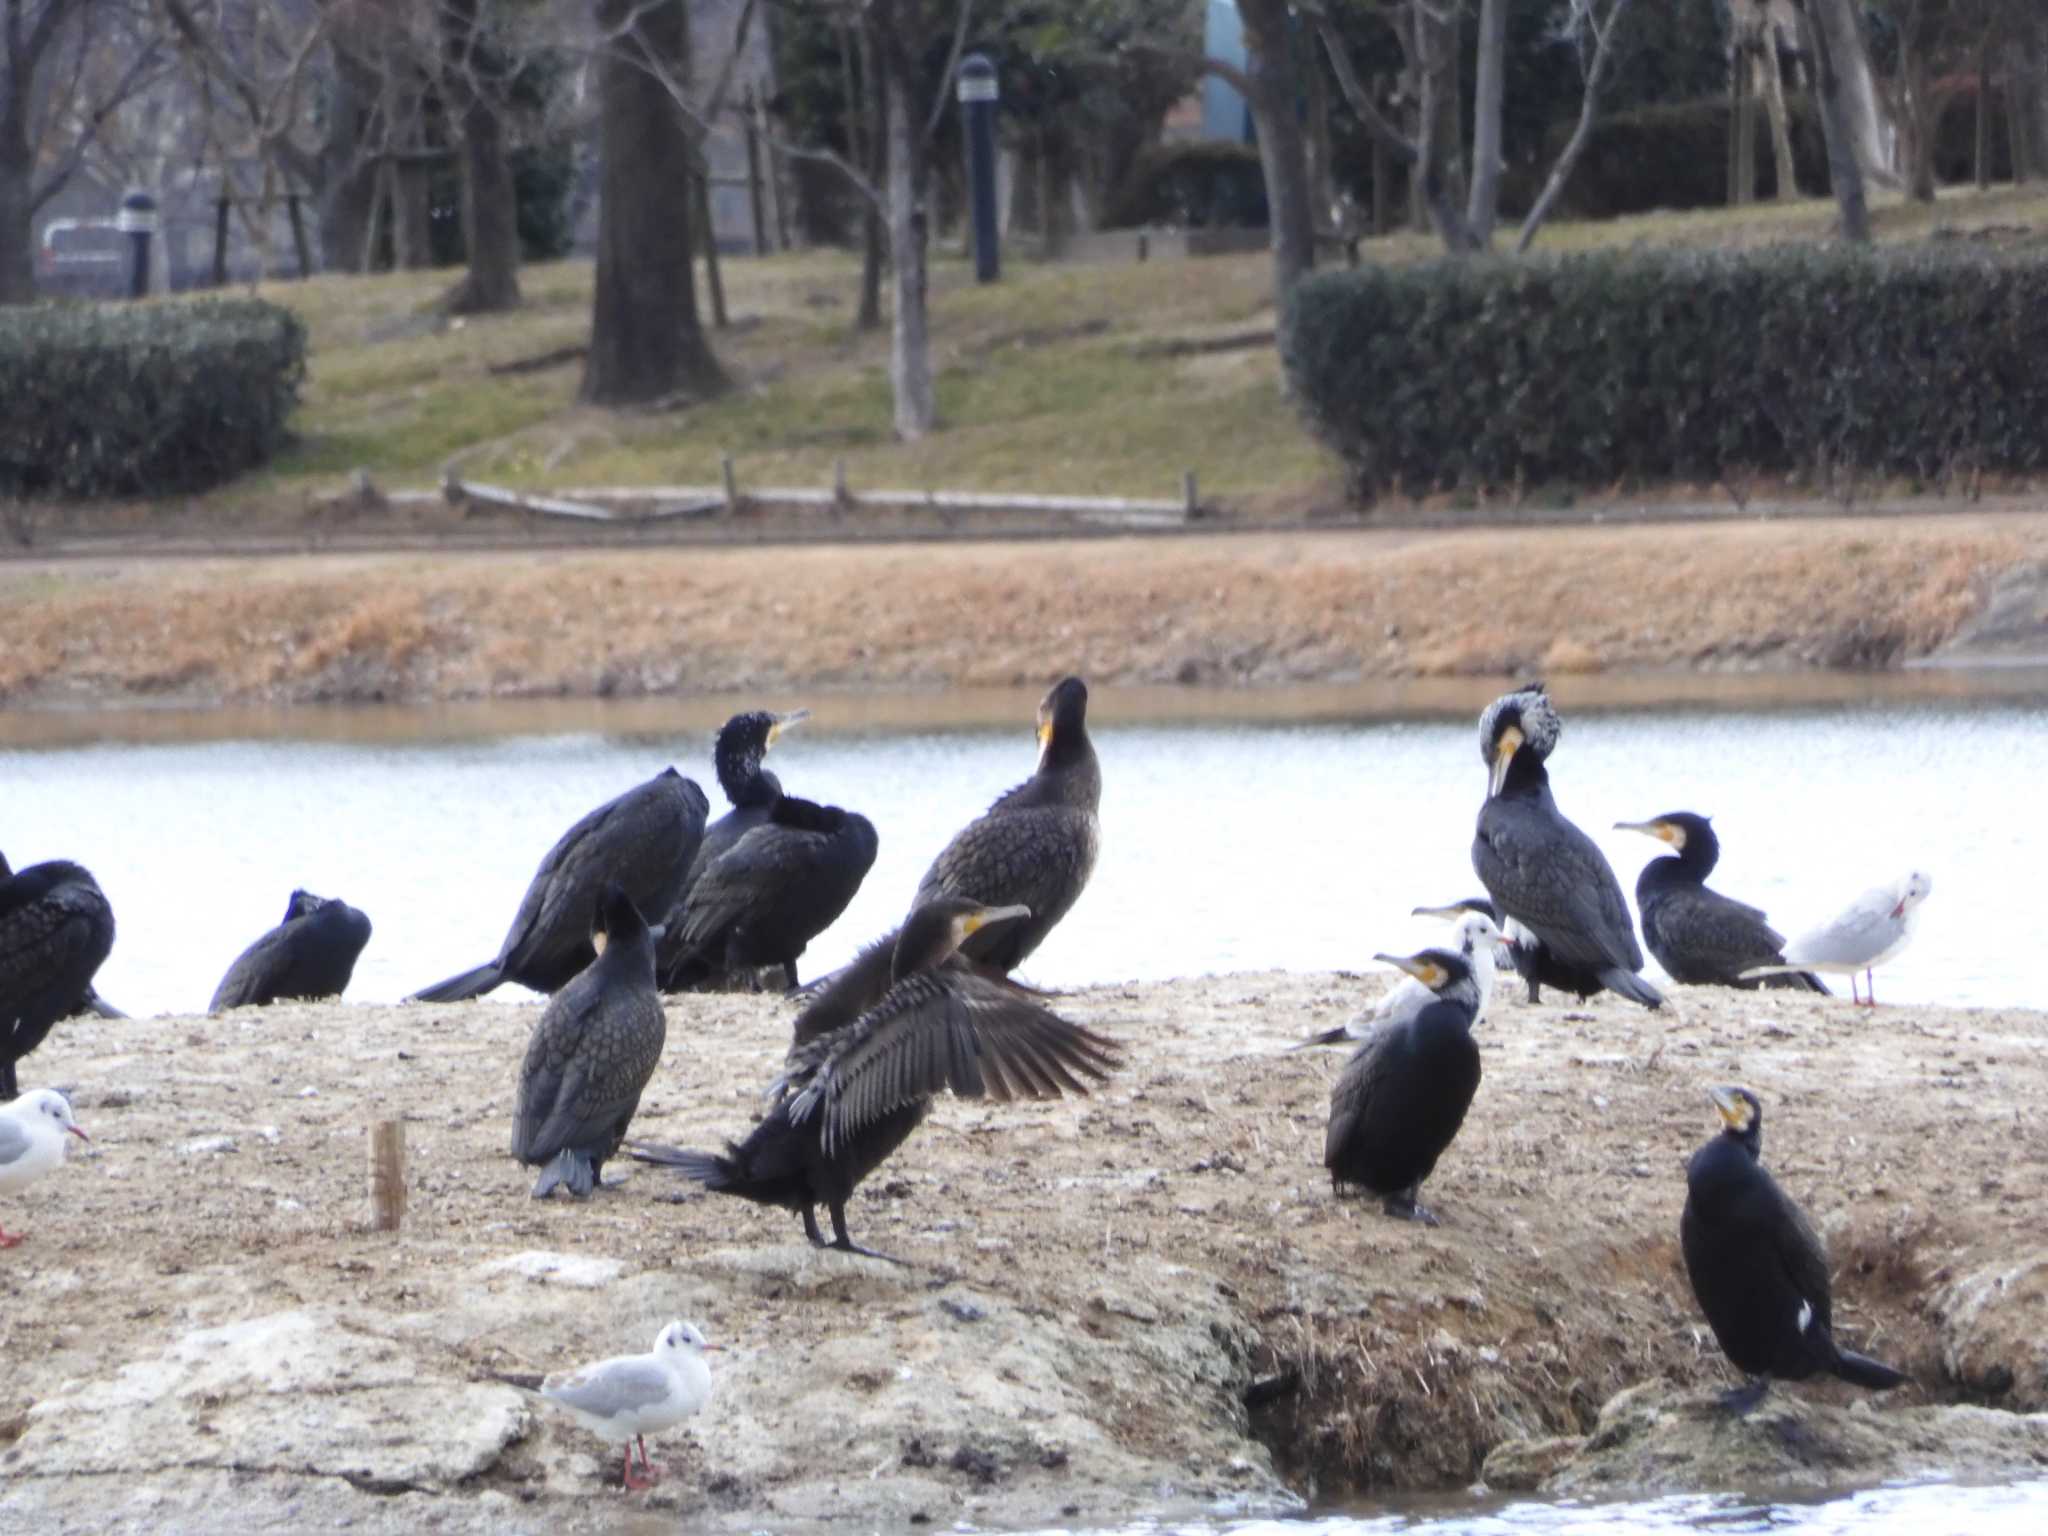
(74, 1130)
(710, 1349)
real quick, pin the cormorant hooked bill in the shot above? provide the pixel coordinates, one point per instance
(1698, 935)
(1756, 1265)
(1540, 869)
(643, 841)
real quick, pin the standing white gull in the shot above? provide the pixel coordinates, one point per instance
(1473, 936)
(32, 1132)
(628, 1397)
(1865, 934)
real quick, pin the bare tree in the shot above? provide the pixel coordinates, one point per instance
(1845, 168)
(474, 71)
(65, 67)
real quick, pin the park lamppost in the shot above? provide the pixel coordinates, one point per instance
(978, 105)
(137, 220)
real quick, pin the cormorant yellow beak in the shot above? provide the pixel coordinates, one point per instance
(783, 723)
(1044, 732)
(1663, 831)
(974, 922)
(1503, 754)
(1428, 972)
(598, 939)
(1733, 1108)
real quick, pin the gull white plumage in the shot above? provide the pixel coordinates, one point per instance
(1869, 931)
(32, 1132)
(628, 1397)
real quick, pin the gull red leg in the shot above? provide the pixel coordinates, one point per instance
(9, 1239)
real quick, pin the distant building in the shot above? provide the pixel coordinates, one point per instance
(1225, 113)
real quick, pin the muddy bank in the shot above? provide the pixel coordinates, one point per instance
(1144, 1302)
(1251, 610)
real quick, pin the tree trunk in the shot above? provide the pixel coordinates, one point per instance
(1845, 171)
(490, 218)
(873, 248)
(910, 348)
(1269, 67)
(1982, 156)
(347, 189)
(2032, 90)
(1322, 181)
(411, 216)
(646, 341)
(1780, 118)
(1745, 124)
(17, 227)
(1487, 92)
(1860, 115)
(1918, 114)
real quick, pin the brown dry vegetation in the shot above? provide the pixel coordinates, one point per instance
(1137, 1260)
(1251, 609)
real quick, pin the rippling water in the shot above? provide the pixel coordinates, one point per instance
(1228, 844)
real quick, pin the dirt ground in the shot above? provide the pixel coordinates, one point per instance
(1231, 611)
(1144, 1302)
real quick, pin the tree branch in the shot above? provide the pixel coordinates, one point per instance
(931, 124)
(1589, 109)
(1395, 142)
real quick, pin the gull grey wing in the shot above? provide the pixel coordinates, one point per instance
(1850, 938)
(14, 1140)
(952, 1030)
(611, 1388)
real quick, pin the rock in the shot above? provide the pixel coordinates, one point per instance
(1994, 1332)
(1656, 1438)
(314, 1391)
(2013, 622)
(207, 1146)
(1522, 1466)
(568, 1269)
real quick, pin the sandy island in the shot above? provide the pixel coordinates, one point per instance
(1145, 1302)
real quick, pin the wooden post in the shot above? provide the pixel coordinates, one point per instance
(299, 242)
(220, 242)
(387, 1175)
(714, 278)
(730, 476)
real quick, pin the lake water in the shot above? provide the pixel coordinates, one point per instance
(1239, 831)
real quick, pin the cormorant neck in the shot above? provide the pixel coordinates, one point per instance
(742, 777)
(1751, 1141)
(1526, 774)
(1696, 860)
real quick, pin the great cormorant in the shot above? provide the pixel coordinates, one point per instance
(1756, 1265)
(643, 841)
(56, 929)
(1873, 928)
(1036, 845)
(1698, 935)
(311, 954)
(1400, 1099)
(858, 1080)
(743, 741)
(762, 901)
(1540, 869)
(591, 1055)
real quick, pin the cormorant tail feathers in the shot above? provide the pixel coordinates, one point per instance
(707, 1168)
(1862, 1371)
(1631, 986)
(1796, 981)
(569, 1169)
(471, 983)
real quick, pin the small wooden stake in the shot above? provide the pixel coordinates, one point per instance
(387, 1175)
(732, 482)
(1190, 497)
(839, 497)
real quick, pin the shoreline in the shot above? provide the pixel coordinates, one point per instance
(1144, 1302)
(1249, 612)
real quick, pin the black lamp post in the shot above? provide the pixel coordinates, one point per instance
(978, 104)
(137, 220)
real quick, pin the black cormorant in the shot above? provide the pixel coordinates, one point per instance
(858, 1080)
(1542, 871)
(743, 741)
(1400, 1099)
(643, 841)
(591, 1054)
(784, 882)
(311, 954)
(56, 930)
(1757, 1266)
(1700, 936)
(1036, 845)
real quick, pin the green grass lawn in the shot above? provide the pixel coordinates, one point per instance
(1041, 385)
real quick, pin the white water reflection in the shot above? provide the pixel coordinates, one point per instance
(1226, 845)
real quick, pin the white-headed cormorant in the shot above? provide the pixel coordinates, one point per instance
(591, 1054)
(1400, 1099)
(858, 1079)
(643, 841)
(1542, 871)
(56, 930)
(1868, 932)
(1757, 1266)
(311, 954)
(1698, 935)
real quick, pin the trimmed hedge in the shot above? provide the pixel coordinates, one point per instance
(1648, 366)
(143, 399)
